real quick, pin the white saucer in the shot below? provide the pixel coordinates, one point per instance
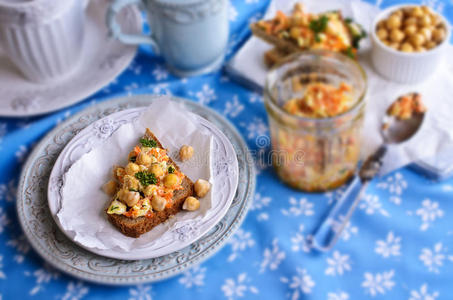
(101, 61)
(224, 171)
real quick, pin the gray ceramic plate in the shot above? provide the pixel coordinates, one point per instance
(57, 249)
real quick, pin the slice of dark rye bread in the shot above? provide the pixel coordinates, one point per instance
(138, 226)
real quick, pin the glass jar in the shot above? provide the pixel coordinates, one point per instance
(315, 154)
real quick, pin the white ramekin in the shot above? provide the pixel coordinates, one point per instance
(401, 66)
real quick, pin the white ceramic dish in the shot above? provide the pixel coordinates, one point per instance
(224, 168)
(405, 67)
(59, 251)
(102, 59)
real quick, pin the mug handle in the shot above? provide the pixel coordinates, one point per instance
(115, 29)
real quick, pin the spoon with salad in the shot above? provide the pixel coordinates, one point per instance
(403, 119)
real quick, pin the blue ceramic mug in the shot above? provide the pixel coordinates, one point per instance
(192, 35)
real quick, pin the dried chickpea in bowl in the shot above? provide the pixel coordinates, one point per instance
(412, 29)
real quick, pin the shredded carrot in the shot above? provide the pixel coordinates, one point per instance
(137, 150)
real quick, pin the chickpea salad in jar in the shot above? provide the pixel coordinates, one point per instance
(315, 107)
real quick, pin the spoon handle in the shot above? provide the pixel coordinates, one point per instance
(333, 225)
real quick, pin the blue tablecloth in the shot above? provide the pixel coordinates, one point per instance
(399, 244)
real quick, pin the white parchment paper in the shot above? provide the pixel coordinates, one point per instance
(436, 134)
(83, 201)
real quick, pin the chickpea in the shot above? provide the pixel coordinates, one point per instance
(417, 39)
(191, 204)
(398, 13)
(439, 35)
(382, 34)
(393, 22)
(158, 203)
(430, 45)
(186, 152)
(130, 182)
(425, 20)
(426, 9)
(132, 168)
(417, 12)
(420, 49)
(381, 24)
(410, 21)
(394, 46)
(202, 187)
(143, 159)
(396, 35)
(129, 197)
(171, 180)
(118, 172)
(410, 30)
(110, 187)
(294, 33)
(156, 169)
(427, 33)
(149, 190)
(407, 47)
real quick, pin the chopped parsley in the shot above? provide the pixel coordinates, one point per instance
(146, 178)
(171, 170)
(148, 143)
(319, 26)
(133, 159)
(350, 53)
(114, 208)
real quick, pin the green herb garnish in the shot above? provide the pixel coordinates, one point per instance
(133, 159)
(319, 26)
(133, 190)
(171, 170)
(350, 53)
(146, 178)
(113, 208)
(148, 143)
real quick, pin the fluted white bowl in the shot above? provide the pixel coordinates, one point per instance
(406, 67)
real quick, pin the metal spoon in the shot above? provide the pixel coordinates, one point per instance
(393, 131)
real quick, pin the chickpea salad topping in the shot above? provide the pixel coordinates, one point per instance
(321, 100)
(328, 31)
(146, 184)
(406, 106)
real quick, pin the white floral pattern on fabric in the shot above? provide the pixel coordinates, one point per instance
(4, 220)
(234, 289)
(378, 283)
(255, 128)
(338, 296)
(193, 277)
(423, 294)
(240, 241)
(21, 153)
(299, 283)
(206, 95)
(272, 257)
(348, 231)
(371, 204)
(2, 274)
(434, 258)
(75, 291)
(259, 203)
(160, 73)
(42, 277)
(8, 191)
(140, 292)
(428, 213)
(22, 247)
(395, 185)
(337, 264)
(233, 107)
(301, 242)
(391, 246)
(299, 207)
(232, 12)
